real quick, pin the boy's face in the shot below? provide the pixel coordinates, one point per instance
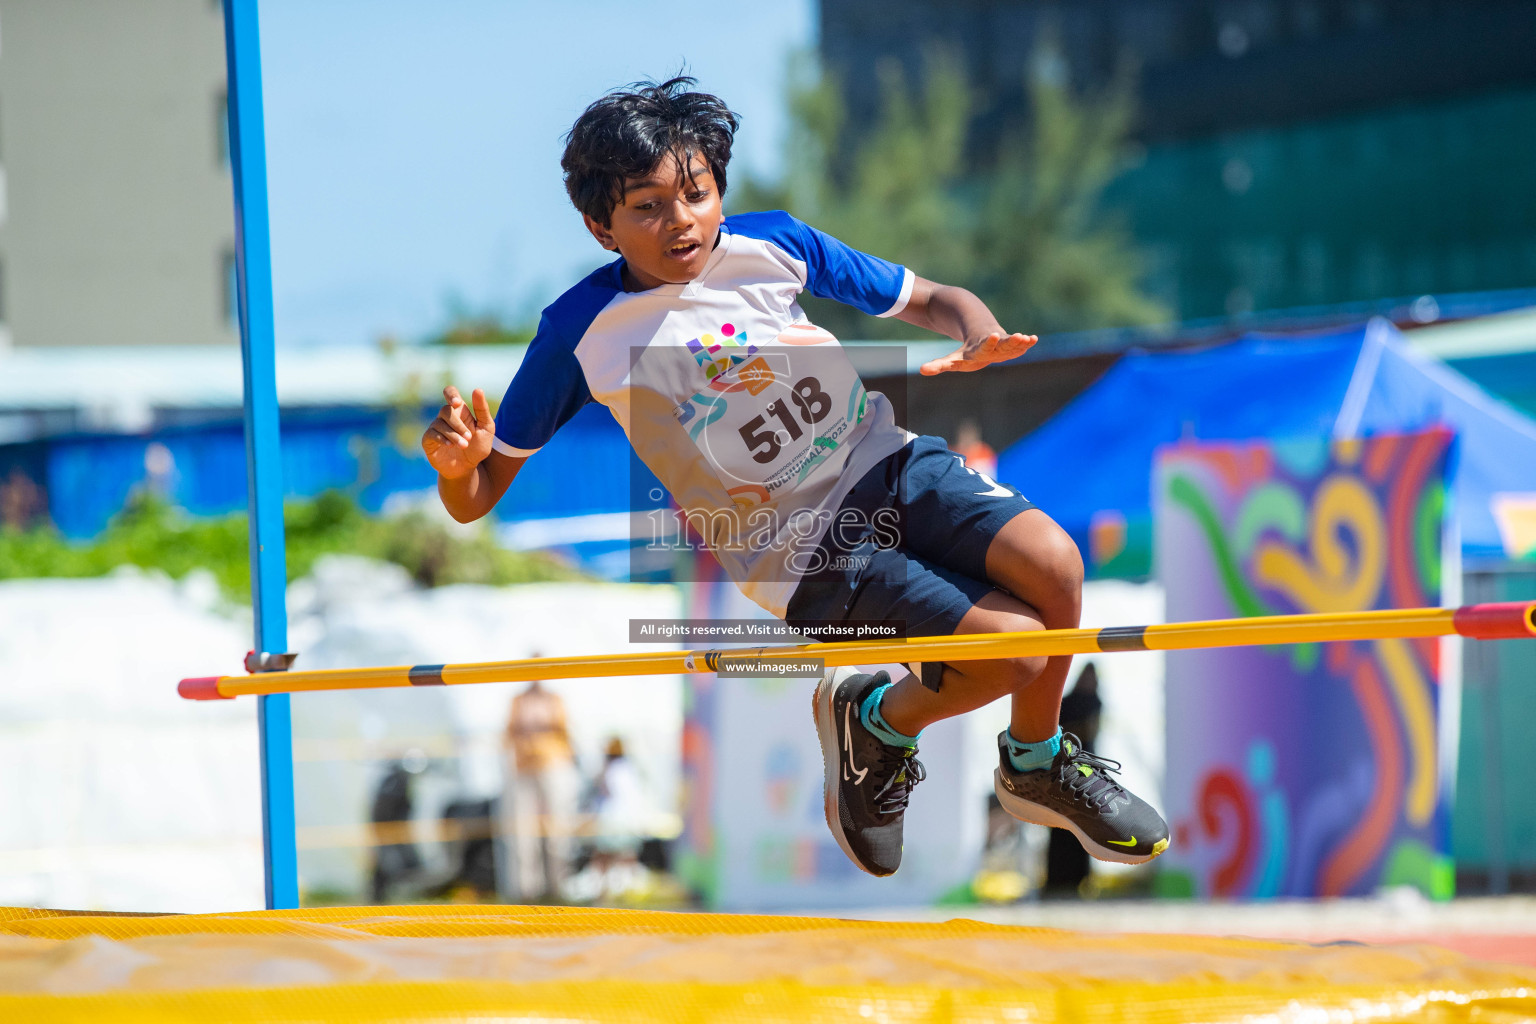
(666, 226)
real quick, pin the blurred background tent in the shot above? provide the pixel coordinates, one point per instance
(1090, 465)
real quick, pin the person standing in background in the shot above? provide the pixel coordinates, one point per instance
(622, 818)
(977, 453)
(542, 793)
(395, 857)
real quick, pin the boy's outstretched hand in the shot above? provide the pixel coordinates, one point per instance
(996, 347)
(459, 440)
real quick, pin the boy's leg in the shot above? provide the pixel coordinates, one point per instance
(1040, 777)
(1036, 563)
(911, 707)
(1035, 559)
(975, 557)
(869, 766)
(966, 523)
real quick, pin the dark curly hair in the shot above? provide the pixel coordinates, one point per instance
(628, 132)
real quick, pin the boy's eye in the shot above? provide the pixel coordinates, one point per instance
(695, 197)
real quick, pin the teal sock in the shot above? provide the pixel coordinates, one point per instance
(874, 721)
(1029, 757)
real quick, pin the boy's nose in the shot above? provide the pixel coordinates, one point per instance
(680, 216)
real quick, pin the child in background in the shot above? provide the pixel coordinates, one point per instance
(977, 453)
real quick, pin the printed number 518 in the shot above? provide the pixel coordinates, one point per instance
(813, 403)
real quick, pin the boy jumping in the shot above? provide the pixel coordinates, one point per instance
(814, 501)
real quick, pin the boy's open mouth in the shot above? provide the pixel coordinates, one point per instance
(682, 249)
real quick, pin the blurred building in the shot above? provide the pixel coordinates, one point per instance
(116, 218)
(1292, 153)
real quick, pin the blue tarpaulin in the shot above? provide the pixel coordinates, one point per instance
(1094, 459)
(86, 478)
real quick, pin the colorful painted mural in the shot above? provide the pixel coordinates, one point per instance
(1309, 770)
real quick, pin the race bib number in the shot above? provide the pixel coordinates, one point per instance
(774, 415)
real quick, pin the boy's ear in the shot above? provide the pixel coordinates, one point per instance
(600, 232)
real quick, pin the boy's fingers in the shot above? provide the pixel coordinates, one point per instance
(448, 437)
(950, 362)
(482, 409)
(447, 431)
(993, 348)
(451, 395)
(456, 417)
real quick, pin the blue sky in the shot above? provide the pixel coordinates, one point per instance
(413, 146)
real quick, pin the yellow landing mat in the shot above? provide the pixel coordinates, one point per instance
(487, 963)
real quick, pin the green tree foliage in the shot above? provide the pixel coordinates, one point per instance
(482, 329)
(1023, 228)
(466, 325)
(151, 534)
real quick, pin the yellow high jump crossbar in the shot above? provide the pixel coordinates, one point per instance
(1479, 622)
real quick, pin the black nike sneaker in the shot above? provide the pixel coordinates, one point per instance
(1079, 793)
(867, 782)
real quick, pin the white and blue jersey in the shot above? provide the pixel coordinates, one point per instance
(752, 417)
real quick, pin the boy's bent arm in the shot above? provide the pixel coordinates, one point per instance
(471, 496)
(946, 309)
(956, 312)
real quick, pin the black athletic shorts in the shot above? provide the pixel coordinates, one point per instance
(915, 554)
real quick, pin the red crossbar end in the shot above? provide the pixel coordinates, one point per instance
(1508, 620)
(201, 688)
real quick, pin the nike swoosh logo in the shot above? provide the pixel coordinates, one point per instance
(995, 489)
(848, 745)
(1116, 842)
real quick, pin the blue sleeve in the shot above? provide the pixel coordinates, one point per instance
(547, 390)
(550, 387)
(833, 270)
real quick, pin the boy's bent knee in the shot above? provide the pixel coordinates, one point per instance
(1010, 675)
(1063, 563)
(1027, 670)
(1061, 580)
(1038, 562)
